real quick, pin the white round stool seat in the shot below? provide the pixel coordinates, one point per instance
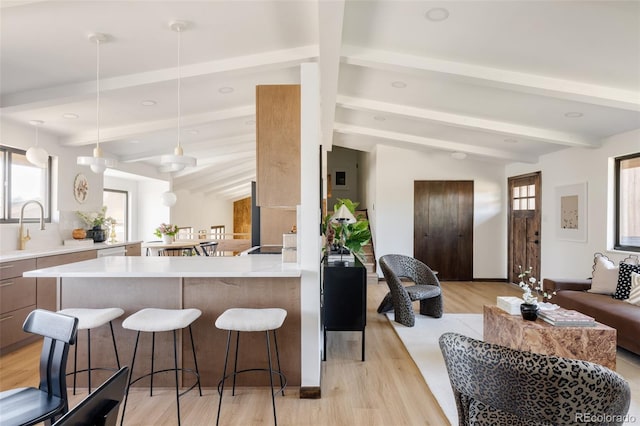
(246, 319)
(155, 320)
(89, 318)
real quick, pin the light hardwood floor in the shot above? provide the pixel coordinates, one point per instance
(386, 389)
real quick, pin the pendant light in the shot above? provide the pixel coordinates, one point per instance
(36, 155)
(169, 198)
(177, 161)
(98, 162)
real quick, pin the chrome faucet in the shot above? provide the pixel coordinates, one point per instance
(22, 239)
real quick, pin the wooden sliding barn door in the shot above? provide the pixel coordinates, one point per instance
(443, 227)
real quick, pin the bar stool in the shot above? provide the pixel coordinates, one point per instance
(89, 318)
(153, 320)
(244, 319)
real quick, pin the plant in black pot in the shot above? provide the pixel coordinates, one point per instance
(346, 232)
(96, 221)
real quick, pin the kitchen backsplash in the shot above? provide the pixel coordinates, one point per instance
(53, 235)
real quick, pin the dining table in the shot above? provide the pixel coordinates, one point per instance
(153, 247)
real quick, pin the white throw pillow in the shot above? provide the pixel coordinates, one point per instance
(605, 275)
(634, 294)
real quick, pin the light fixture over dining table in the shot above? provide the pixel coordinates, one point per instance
(98, 163)
(177, 161)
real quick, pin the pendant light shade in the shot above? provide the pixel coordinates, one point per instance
(35, 154)
(98, 163)
(177, 161)
(169, 199)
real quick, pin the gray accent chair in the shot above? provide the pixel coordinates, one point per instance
(496, 385)
(426, 288)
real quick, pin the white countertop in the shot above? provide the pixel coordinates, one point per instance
(52, 251)
(267, 265)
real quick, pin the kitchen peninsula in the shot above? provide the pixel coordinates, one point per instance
(211, 284)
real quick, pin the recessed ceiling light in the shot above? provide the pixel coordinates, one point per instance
(379, 118)
(194, 131)
(225, 90)
(70, 116)
(511, 140)
(134, 141)
(437, 14)
(399, 84)
(250, 122)
(148, 102)
(573, 114)
(458, 155)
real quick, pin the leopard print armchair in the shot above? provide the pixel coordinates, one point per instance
(400, 297)
(496, 385)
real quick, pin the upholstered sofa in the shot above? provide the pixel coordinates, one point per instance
(593, 298)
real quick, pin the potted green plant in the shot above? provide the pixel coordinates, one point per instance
(95, 221)
(354, 236)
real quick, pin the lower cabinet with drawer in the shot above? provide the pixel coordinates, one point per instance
(17, 299)
(133, 249)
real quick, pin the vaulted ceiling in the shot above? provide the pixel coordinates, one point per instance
(500, 81)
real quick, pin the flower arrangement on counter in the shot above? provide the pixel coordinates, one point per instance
(96, 219)
(530, 286)
(166, 229)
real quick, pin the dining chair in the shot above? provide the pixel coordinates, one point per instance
(29, 406)
(101, 406)
(149, 250)
(208, 248)
(176, 251)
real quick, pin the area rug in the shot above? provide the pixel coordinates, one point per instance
(421, 341)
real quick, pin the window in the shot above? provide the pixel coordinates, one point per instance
(627, 201)
(117, 203)
(524, 197)
(23, 182)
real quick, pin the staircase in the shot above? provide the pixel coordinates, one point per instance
(369, 255)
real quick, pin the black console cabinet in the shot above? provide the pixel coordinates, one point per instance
(344, 299)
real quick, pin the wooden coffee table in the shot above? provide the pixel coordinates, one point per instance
(595, 344)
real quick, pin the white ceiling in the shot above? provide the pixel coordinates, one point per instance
(493, 80)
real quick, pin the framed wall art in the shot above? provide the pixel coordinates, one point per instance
(80, 188)
(571, 212)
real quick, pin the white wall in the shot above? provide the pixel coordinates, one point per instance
(569, 259)
(396, 169)
(200, 212)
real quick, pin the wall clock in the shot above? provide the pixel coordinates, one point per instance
(80, 188)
